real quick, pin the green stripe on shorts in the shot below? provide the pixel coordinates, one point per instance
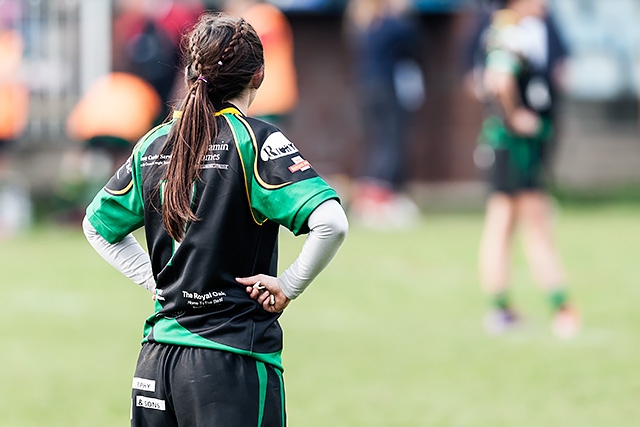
(282, 403)
(262, 381)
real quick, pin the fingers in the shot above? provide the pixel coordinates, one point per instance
(256, 290)
(157, 295)
(265, 298)
(274, 305)
(254, 286)
(249, 280)
(265, 291)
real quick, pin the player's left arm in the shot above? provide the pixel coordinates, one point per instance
(328, 228)
(285, 188)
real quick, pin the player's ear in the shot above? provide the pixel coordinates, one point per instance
(257, 78)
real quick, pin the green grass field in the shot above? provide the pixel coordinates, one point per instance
(390, 335)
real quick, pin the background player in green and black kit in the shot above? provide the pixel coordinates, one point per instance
(211, 189)
(518, 81)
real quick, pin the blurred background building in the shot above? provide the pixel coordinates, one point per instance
(69, 44)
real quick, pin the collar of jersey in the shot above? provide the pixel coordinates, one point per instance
(227, 109)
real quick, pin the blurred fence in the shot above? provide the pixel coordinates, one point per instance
(51, 30)
(66, 46)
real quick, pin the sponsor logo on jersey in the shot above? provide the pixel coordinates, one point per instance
(280, 163)
(219, 146)
(197, 300)
(211, 160)
(144, 384)
(299, 164)
(276, 146)
(155, 160)
(122, 181)
(150, 403)
(214, 166)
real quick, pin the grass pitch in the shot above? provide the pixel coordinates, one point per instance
(390, 334)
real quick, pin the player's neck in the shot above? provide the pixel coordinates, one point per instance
(244, 100)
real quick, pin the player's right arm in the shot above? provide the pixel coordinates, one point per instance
(115, 212)
(126, 256)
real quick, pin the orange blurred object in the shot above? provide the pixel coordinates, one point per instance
(278, 93)
(118, 105)
(13, 110)
(14, 95)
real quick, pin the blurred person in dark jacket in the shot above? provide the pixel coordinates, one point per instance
(146, 43)
(384, 39)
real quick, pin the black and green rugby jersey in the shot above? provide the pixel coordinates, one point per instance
(511, 48)
(253, 180)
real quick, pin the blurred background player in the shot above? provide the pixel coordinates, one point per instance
(384, 40)
(108, 120)
(15, 206)
(520, 86)
(119, 108)
(113, 114)
(146, 43)
(278, 94)
(474, 55)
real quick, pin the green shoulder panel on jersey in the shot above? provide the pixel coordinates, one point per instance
(247, 158)
(118, 208)
(286, 190)
(141, 147)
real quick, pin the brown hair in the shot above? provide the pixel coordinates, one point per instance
(222, 54)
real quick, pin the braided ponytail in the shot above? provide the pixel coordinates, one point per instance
(234, 44)
(223, 54)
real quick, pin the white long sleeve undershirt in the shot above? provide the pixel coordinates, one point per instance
(328, 228)
(127, 256)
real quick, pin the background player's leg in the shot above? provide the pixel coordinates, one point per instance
(494, 260)
(495, 244)
(535, 209)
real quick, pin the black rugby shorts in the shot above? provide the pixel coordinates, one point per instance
(177, 386)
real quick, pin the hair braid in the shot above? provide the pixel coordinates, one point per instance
(234, 45)
(195, 56)
(222, 55)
